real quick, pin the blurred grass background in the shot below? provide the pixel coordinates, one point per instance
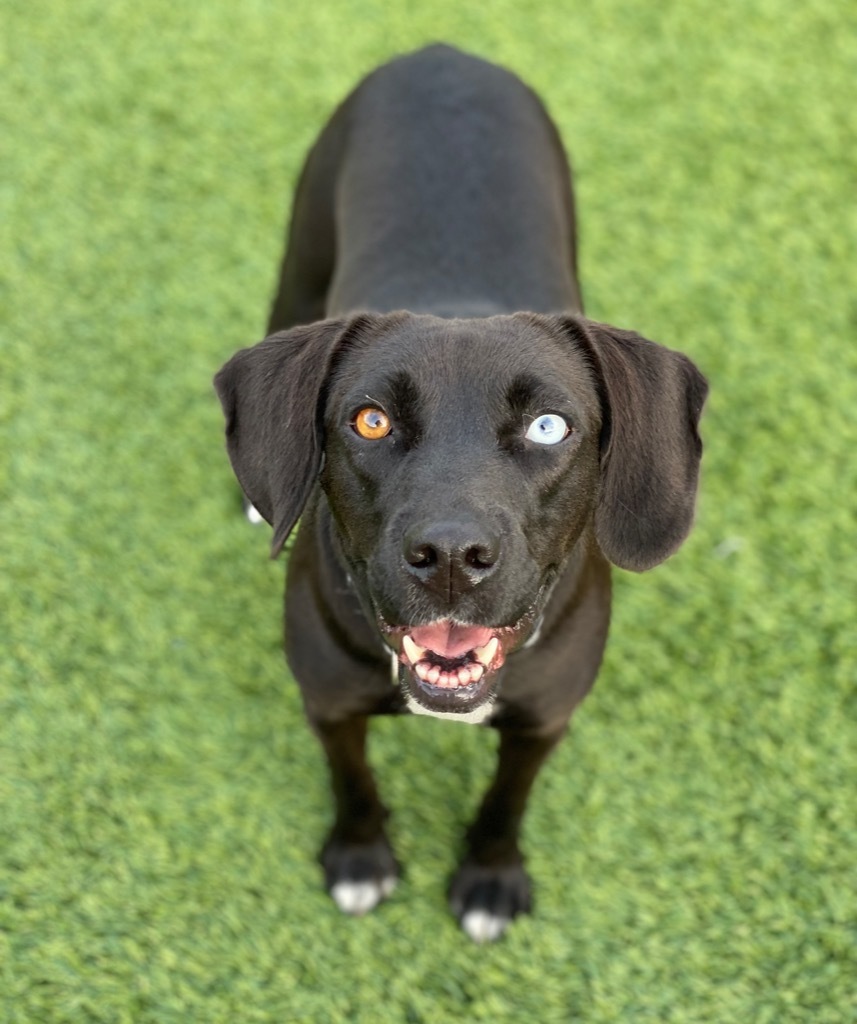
(694, 842)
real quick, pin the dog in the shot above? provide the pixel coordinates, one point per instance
(467, 451)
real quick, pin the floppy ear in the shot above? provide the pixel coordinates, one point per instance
(272, 397)
(651, 400)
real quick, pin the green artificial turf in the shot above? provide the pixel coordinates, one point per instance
(694, 842)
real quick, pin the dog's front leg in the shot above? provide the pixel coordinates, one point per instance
(491, 886)
(359, 867)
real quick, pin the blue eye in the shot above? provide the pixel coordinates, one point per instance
(548, 429)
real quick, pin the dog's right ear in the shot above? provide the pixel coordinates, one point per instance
(272, 396)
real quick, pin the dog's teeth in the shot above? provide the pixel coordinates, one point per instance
(433, 674)
(464, 677)
(487, 653)
(476, 672)
(422, 670)
(413, 651)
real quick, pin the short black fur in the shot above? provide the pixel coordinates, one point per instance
(431, 271)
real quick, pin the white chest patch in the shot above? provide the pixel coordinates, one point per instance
(475, 717)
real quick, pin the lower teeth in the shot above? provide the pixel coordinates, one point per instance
(437, 676)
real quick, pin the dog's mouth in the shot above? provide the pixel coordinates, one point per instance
(451, 657)
(449, 668)
(453, 668)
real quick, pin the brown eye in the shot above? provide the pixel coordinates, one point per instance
(372, 423)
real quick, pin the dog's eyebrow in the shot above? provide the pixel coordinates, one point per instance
(527, 391)
(406, 403)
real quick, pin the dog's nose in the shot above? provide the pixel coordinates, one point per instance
(450, 558)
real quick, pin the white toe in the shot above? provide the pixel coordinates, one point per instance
(253, 515)
(482, 926)
(360, 897)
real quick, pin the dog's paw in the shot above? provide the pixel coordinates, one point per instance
(254, 516)
(486, 899)
(359, 876)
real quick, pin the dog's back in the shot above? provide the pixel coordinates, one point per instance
(452, 164)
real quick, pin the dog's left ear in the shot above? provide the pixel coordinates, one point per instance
(651, 401)
(272, 396)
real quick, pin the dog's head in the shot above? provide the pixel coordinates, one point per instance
(462, 461)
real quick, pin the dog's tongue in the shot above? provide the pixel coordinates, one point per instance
(449, 640)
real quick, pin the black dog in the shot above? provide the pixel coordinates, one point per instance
(465, 471)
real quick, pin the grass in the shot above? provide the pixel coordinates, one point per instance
(694, 841)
